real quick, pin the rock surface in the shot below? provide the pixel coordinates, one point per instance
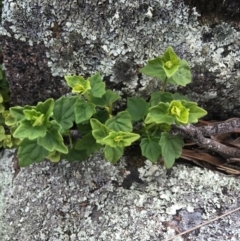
(91, 201)
(49, 40)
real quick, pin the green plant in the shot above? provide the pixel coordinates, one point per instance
(6, 120)
(74, 127)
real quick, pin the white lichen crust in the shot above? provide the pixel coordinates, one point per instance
(88, 36)
(88, 201)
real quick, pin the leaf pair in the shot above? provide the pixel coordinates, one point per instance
(115, 135)
(93, 86)
(176, 112)
(169, 67)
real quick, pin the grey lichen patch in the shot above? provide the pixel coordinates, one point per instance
(84, 37)
(86, 201)
(6, 178)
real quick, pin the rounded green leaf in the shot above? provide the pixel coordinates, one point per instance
(113, 154)
(83, 110)
(87, 143)
(151, 148)
(171, 147)
(106, 100)
(63, 111)
(30, 152)
(157, 97)
(154, 69)
(97, 86)
(137, 108)
(121, 122)
(75, 155)
(182, 76)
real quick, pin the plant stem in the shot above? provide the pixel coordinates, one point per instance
(146, 130)
(164, 85)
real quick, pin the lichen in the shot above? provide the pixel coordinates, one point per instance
(87, 201)
(84, 37)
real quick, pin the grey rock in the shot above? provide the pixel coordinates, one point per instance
(87, 201)
(116, 38)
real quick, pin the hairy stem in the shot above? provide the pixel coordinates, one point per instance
(164, 85)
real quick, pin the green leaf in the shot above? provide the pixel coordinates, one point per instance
(78, 84)
(26, 130)
(177, 96)
(113, 154)
(83, 110)
(30, 152)
(170, 62)
(63, 111)
(84, 128)
(154, 69)
(121, 122)
(2, 133)
(99, 131)
(97, 86)
(17, 111)
(75, 155)
(2, 120)
(8, 142)
(151, 148)
(171, 147)
(87, 143)
(182, 76)
(1, 98)
(9, 119)
(53, 140)
(2, 108)
(120, 139)
(179, 111)
(102, 115)
(159, 114)
(157, 97)
(54, 156)
(195, 112)
(5, 94)
(45, 108)
(137, 108)
(35, 117)
(106, 100)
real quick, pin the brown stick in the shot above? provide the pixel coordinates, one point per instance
(220, 128)
(196, 135)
